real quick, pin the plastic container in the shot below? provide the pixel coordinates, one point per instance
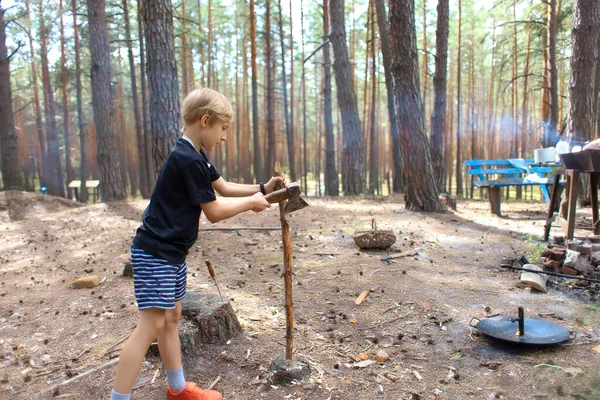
(544, 155)
(562, 147)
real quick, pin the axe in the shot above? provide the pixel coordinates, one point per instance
(291, 193)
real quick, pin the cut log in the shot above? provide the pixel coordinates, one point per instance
(205, 318)
(534, 280)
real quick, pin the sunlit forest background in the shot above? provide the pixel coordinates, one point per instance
(506, 86)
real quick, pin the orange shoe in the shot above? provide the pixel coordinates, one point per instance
(193, 392)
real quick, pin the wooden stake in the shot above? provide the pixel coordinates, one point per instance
(287, 275)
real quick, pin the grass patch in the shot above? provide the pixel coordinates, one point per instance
(456, 356)
(593, 308)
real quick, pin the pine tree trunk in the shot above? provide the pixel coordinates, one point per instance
(185, 83)
(147, 139)
(304, 132)
(54, 176)
(551, 125)
(459, 181)
(373, 138)
(586, 22)
(111, 184)
(255, 127)
(524, 111)
(136, 107)
(42, 153)
(288, 126)
(123, 140)
(332, 182)
(425, 62)
(201, 45)
(271, 150)
(165, 118)
(353, 172)
(292, 67)
(65, 100)
(11, 175)
(421, 191)
(209, 82)
(382, 22)
(84, 172)
(438, 117)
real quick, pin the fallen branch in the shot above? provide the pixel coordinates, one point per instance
(212, 385)
(241, 228)
(116, 344)
(91, 371)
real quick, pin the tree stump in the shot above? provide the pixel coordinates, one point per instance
(205, 319)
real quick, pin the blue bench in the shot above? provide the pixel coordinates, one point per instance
(496, 174)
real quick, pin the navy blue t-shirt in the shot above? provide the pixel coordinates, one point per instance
(170, 222)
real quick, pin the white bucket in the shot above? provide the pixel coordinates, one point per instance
(547, 154)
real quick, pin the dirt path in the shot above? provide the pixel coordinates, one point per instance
(417, 312)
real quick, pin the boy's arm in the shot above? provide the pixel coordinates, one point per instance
(221, 209)
(231, 189)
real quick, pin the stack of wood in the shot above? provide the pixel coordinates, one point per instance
(374, 239)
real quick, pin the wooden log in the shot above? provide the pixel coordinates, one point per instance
(288, 272)
(536, 281)
(205, 319)
(494, 196)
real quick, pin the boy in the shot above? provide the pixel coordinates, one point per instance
(184, 189)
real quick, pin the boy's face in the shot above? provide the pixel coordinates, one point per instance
(213, 133)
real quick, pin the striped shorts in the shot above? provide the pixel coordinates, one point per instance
(157, 283)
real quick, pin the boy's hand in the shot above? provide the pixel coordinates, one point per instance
(259, 203)
(270, 186)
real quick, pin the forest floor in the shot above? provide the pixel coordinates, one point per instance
(418, 310)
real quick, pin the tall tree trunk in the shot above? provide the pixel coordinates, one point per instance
(54, 178)
(332, 183)
(438, 117)
(425, 61)
(84, 171)
(292, 67)
(209, 81)
(245, 147)
(11, 175)
(288, 126)
(373, 138)
(147, 139)
(112, 186)
(551, 124)
(42, 153)
(586, 22)
(122, 134)
(136, 107)
(185, 80)
(255, 128)
(421, 191)
(304, 131)
(271, 150)
(524, 112)
(353, 169)
(382, 22)
(459, 181)
(201, 45)
(165, 118)
(65, 100)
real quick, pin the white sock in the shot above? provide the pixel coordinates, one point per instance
(119, 396)
(176, 380)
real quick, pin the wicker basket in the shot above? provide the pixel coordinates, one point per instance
(374, 239)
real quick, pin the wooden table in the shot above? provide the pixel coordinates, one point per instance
(572, 190)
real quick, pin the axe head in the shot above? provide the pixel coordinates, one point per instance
(295, 203)
(291, 193)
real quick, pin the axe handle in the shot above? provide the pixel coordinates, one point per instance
(211, 271)
(277, 196)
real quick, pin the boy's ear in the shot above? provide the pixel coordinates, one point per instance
(204, 120)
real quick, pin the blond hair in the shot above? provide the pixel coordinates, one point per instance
(205, 101)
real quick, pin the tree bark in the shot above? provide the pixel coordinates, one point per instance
(373, 138)
(382, 22)
(332, 183)
(438, 117)
(65, 100)
(421, 191)
(54, 176)
(551, 124)
(136, 107)
(84, 164)
(586, 21)
(288, 126)
(271, 150)
(459, 182)
(255, 128)
(147, 140)
(165, 117)
(112, 186)
(11, 175)
(353, 168)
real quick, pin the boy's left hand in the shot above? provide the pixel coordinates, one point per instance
(270, 186)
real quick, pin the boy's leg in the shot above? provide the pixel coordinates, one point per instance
(150, 324)
(169, 347)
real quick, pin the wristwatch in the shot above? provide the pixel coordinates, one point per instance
(262, 188)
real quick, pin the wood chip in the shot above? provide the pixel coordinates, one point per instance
(417, 375)
(361, 298)
(596, 349)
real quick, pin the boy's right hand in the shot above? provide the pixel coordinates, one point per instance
(259, 203)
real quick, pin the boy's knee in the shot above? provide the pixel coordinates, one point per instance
(171, 320)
